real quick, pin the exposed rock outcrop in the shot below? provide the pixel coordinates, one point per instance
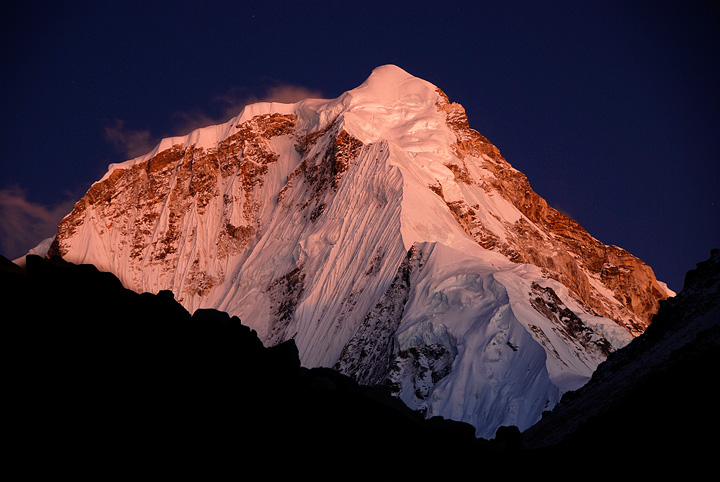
(549, 239)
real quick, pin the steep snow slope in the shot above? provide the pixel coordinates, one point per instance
(385, 236)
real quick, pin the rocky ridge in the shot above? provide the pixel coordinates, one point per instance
(547, 238)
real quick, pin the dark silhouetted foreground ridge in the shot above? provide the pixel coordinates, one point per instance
(100, 376)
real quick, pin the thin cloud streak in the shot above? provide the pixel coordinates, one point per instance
(24, 224)
(132, 143)
(232, 102)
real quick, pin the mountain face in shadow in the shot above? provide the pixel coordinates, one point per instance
(657, 396)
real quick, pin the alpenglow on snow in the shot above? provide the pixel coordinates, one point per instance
(386, 237)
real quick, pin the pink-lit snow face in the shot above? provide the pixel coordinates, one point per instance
(376, 227)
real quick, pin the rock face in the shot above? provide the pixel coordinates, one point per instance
(547, 238)
(139, 214)
(386, 237)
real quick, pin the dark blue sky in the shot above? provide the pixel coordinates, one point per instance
(612, 109)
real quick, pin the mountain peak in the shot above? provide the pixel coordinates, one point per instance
(386, 77)
(385, 237)
(389, 84)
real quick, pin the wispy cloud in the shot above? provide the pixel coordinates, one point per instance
(136, 142)
(285, 93)
(230, 103)
(237, 98)
(132, 143)
(24, 224)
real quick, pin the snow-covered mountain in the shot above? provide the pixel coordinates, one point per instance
(386, 237)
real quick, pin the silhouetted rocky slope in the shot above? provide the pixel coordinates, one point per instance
(658, 395)
(100, 374)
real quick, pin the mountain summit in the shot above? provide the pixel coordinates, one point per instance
(386, 237)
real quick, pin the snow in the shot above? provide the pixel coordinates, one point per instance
(667, 289)
(508, 362)
(40, 250)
